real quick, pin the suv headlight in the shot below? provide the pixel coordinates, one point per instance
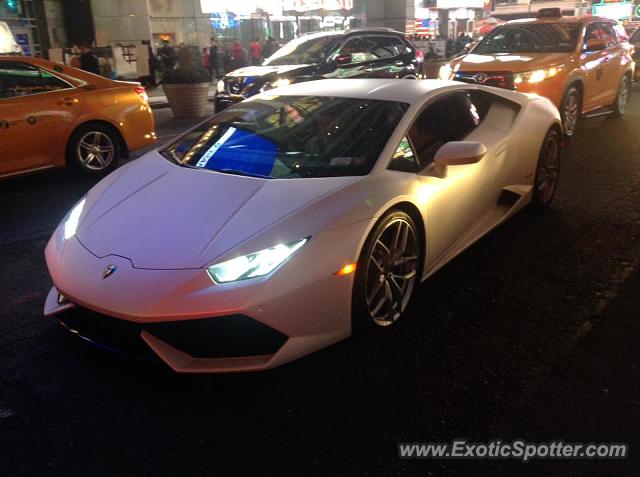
(221, 86)
(536, 76)
(255, 264)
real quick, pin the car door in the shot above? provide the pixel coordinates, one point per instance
(36, 111)
(612, 69)
(457, 199)
(592, 62)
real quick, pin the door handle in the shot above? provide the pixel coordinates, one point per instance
(67, 101)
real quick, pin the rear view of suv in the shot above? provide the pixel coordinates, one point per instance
(374, 53)
(583, 65)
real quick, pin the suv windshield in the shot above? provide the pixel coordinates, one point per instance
(304, 50)
(530, 38)
(291, 137)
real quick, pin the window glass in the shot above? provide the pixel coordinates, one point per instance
(52, 83)
(304, 50)
(600, 31)
(18, 79)
(289, 137)
(368, 48)
(635, 37)
(404, 159)
(448, 119)
(530, 37)
(22, 79)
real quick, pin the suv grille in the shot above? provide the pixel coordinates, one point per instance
(499, 79)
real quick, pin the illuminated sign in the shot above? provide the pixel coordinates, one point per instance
(616, 11)
(310, 5)
(455, 4)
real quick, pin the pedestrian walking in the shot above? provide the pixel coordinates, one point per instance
(88, 60)
(256, 52)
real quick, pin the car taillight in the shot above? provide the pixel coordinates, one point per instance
(142, 93)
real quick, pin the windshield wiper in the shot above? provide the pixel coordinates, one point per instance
(238, 172)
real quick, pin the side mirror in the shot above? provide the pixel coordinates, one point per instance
(595, 45)
(344, 59)
(458, 153)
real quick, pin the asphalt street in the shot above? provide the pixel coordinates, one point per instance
(532, 333)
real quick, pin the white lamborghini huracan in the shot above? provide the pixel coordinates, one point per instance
(274, 228)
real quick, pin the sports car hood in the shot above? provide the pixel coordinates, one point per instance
(509, 61)
(275, 70)
(162, 216)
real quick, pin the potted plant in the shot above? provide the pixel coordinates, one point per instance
(187, 90)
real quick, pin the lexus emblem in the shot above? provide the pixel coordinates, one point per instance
(108, 271)
(480, 78)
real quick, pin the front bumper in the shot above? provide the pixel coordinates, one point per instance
(250, 325)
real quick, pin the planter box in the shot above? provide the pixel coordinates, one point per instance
(187, 100)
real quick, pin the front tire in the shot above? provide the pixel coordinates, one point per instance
(570, 110)
(94, 149)
(387, 273)
(547, 171)
(622, 98)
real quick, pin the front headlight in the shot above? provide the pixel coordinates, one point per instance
(279, 83)
(444, 73)
(255, 264)
(536, 76)
(72, 220)
(221, 86)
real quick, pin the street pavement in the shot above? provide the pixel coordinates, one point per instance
(532, 333)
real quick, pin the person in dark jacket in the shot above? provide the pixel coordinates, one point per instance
(89, 61)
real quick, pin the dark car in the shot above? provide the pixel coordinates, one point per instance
(364, 53)
(634, 39)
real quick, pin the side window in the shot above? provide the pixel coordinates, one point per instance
(448, 119)
(608, 34)
(600, 31)
(22, 79)
(404, 159)
(359, 48)
(386, 47)
(18, 79)
(52, 83)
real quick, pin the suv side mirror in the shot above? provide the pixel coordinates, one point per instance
(344, 59)
(595, 45)
(458, 153)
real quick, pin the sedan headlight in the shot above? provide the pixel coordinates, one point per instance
(535, 76)
(255, 264)
(445, 72)
(279, 83)
(72, 220)
(221, 86)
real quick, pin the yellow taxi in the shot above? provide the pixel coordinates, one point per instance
(53, 115)
(584, 65)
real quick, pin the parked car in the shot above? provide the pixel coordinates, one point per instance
(361, 53)
(291, 219)
(53, 115)
(583, 65)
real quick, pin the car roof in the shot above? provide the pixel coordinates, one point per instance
(402, 90)
(583, 20)
(354, 31)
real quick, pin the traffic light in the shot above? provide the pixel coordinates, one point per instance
(11, 5)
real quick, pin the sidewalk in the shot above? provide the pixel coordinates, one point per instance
(157, 99)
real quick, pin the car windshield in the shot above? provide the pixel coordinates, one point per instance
(530, 38)
(304, 50)
(283, 137)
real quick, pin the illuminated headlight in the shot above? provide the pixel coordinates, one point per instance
(221, 86)
(536, 76)
(279, 83)
(255, 264)
(72, 220)
(445, 72)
